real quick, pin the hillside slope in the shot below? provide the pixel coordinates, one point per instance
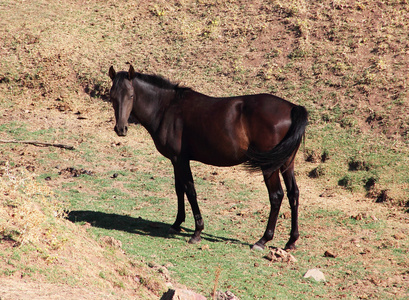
(346, 61)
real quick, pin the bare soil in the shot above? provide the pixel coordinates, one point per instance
(20, 289)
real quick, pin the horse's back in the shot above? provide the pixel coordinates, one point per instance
(266, 106)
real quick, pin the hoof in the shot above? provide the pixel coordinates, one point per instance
(290, 247)
(258, 247)
(195, 240)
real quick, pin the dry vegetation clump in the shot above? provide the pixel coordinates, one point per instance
(26, 207)
(38, 243)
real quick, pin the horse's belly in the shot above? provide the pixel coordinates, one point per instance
(221, 156)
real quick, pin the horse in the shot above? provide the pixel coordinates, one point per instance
(261, 131)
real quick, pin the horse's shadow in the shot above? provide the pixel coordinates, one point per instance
(138, 225)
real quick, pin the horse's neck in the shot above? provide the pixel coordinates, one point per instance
(150, 103)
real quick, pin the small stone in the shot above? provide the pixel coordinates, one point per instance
(329, 254)
(226, 296)
(180, 294)
(280, 255)
(316, 274)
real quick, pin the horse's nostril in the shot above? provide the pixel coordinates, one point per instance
(126, 129)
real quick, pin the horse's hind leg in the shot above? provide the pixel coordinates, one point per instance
(276, 195)
(293, 195)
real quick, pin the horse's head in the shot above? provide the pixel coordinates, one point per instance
(122, 97)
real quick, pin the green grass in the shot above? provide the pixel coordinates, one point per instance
(375, 161)
(141, 217)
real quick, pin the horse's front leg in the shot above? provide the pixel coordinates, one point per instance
(180, 192)
(184, 182)
(199, 223)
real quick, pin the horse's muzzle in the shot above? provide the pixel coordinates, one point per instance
(121, 131)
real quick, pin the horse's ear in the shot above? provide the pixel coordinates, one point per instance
(112, 72)
(131, 72)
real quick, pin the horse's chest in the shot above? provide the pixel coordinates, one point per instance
(168, 139)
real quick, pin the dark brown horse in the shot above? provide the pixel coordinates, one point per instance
(262, 131)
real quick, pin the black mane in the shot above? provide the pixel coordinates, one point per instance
(157, 81)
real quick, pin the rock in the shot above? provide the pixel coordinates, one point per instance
(329, 254)
(316, 274)
(179, 294)
(278, 254)
(374, 218)
(226, 296)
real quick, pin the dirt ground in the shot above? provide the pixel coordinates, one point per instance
(21, 290)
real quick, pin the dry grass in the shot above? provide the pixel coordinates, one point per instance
(37, 243)
(27, 206)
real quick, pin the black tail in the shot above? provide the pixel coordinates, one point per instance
(275, 158)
